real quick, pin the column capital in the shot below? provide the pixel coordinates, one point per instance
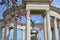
(47, 12)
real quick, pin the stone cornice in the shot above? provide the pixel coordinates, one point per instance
(53, 8)
(15, 8)
(37, 0)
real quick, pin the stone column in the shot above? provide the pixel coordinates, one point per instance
(39, 35)
(23, 37)
(45, 28)
(28, 28)
(0, 33)
(55, 29)
(7, 33)
(15, 32)
(53, 34)
(48, 26)
(59, 29)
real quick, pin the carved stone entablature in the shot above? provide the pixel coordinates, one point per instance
(48, 1)
(36, 0)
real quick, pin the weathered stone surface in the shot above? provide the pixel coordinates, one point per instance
(37, 0)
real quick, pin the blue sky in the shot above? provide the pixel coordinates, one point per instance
(54, 3)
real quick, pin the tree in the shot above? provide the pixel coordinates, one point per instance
(19, 12)
(7, 1)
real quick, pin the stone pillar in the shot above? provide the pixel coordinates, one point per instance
(28, 28)
(23, 37)
(45, 28)
(59, 29)
(39, 35)
(0, 33)
(7, 33)
(15, 32)
(55, 29)
(48, 26)
(53, 34)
